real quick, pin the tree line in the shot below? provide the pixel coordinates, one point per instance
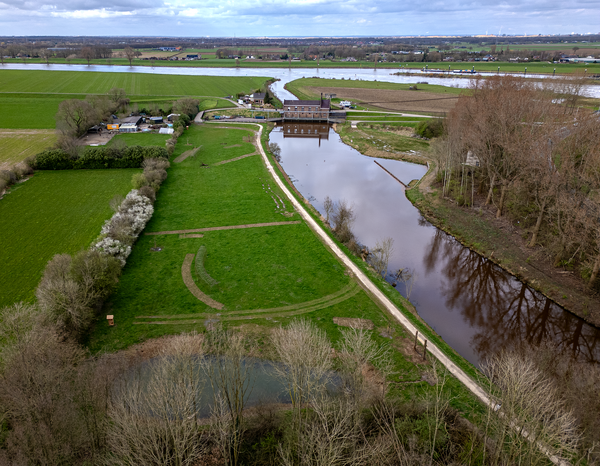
(531, 152)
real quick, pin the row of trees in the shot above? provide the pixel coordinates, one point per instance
(63, 407)
(539, 161)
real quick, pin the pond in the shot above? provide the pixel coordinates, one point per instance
(262, 385)
(474, 305)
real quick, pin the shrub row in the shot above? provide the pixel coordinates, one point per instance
(97, 158)
(72, 288)
(14, 174)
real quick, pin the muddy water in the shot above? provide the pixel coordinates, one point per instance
(474, 305)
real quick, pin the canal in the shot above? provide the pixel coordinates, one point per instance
(473, 304)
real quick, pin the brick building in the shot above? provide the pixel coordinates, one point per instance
(306, 109)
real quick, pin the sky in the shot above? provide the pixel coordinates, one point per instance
(281, 18)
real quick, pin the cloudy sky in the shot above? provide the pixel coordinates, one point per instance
(249, 18)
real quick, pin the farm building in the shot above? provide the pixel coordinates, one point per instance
(128, 128)
(258, 98)
(155, 120)
(306, 109)
(131, 120)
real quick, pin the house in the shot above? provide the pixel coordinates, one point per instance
(258, 98)
(306, 109)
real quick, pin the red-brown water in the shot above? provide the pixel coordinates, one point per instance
(474, 305)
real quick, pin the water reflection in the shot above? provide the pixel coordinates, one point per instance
(471, 303)
(502, 310)
(306, 130)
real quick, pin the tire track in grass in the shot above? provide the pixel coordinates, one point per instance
(284, 311)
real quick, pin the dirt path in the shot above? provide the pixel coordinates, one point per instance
(234, 159)
(186, 154)
(231, 227)
(186, 274)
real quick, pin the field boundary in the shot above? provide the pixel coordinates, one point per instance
(235, 159)
(231, 227)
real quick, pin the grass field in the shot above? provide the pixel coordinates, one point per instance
(140, 139)
(257, 268)
(17, 145)
(266, 276)
(54, 212)
(367, 137)
(30, 99)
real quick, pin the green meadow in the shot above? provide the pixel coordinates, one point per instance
(30, 99)
(54, 212)
(139, 139)
(16, 145)
(275, 271)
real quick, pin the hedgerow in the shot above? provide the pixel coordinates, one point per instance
(97, 158)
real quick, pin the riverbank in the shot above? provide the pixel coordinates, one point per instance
(498, 240)
(502, 242)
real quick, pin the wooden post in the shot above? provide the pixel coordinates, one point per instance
(416, 339)
(111, 320)
(425, 351)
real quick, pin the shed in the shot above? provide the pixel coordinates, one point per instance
(136, 120)
(128, 128)
(156, 119)
(173, 117)
(165, 131)
(113, 127)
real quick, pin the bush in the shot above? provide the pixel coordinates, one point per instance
(9, 176)
(98, 157)
(431, 128)
(155, 164)
(148, 192)
(155, 177)
(22, 169)
(3, 185)
(139, 180)
(71, 288)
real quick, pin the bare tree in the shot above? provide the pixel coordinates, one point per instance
(343, 217)
(46, 55)
(229, 372)
(275, 149)
(305, 353)
(329, 208)
(87, 53)
(74, 117)
(130, 54)
(530, 420)
(155, 410)
(380, 255)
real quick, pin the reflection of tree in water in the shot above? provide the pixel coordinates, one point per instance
(504, 311)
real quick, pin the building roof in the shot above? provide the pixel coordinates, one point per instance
(322, 103)
(132, 119)
(258, 95)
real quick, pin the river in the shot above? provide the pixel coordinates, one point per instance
(284, 75)
(473, 304)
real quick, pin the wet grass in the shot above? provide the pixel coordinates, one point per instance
(54, 212)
